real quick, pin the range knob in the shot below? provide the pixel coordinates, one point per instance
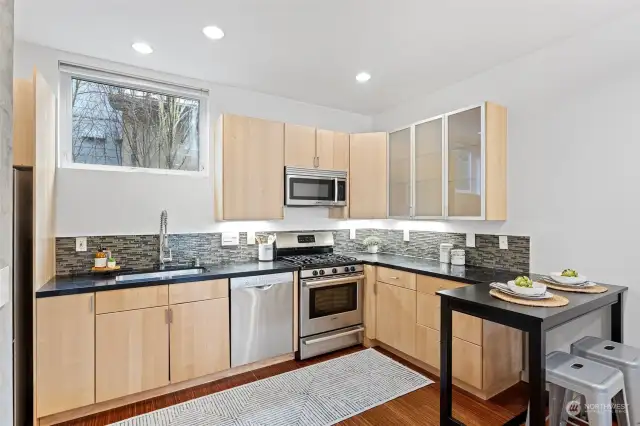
(353, 269)
(346, 269)
(315, 273)
(321, 271)
(334, 270)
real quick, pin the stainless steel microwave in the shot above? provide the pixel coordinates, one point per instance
(314, 187)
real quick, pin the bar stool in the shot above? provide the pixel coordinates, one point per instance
(598, 383)
(624, 358)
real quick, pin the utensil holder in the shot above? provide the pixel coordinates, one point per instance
(265, 252)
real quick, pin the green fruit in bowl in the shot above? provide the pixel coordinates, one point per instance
(524, 281)
(570, 273)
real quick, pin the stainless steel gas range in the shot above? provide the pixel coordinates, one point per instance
(331, 292)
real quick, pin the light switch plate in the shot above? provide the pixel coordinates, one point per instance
(471, 239)
(405, 235)
(5, 284)
(352, 233)
(251, 238)
(504, 242)
(230, 238)
(81, 244)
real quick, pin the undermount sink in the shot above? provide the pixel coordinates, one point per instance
(161, 275)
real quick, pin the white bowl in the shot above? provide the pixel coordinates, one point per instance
(538, 289)
(557, 277)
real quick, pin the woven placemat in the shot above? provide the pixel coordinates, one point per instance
(594, 289)
(556, 302)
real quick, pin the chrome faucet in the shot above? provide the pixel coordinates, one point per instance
(164, 239)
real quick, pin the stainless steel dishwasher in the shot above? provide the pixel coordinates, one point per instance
(261, 317)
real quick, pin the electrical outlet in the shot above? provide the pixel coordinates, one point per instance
(352, 233)
(251, 238)
(81, 244)
(230, 238)
(471, 239)
(504, 242)
(405, 235)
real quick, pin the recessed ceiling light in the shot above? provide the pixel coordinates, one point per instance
(213, 32)
(143, 48)
(363, 76)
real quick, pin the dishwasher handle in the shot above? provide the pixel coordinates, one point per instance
(264, 287)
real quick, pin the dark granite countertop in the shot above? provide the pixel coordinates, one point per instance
(579, 303)
(466, 274)
(65, 285)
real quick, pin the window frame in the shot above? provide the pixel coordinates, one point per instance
(69, 71)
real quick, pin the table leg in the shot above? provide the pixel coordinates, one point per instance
(537, 377)
(617, 321)
(445, 361)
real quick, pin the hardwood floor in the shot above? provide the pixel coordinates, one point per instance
(420, 407)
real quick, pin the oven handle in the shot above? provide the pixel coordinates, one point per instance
(334, 336)
(331, 282)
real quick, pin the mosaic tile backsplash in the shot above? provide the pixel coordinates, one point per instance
(141, 251)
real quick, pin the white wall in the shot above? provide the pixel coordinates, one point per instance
(107, 203)
(574, 145)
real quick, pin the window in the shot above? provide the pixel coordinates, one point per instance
(119, 122)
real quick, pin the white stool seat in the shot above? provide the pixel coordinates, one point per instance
(623, 357)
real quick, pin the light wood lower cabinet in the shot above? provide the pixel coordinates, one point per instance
(131, 352)
(199, 338)
(428, 345)
(396, 317)
(65, 344)
(466, 362)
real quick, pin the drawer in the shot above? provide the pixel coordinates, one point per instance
(467, 328)
(429, 285)
(397, 278)
(199, 290)
(133, 298)
(428, 345)
(428, 310)
(466, 362)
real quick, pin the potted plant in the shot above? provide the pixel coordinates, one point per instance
(372, 243)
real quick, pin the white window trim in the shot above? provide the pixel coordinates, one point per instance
(67, 71)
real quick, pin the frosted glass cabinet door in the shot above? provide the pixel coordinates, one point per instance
(400, 173)
(464, 144)
(429, 178)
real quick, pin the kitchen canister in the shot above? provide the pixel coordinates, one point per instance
(457, 257)
(445, 249)
(265, 252)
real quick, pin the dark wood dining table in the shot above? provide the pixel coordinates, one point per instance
(475, 300)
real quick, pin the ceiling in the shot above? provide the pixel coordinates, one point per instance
(311, 50)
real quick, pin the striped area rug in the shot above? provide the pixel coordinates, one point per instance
(321, 394)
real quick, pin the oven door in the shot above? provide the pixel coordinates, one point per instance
(330, 303)
(310, 191)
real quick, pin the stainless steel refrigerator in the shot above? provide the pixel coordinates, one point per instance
(23, 295)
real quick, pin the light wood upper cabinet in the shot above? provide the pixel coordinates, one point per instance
(199, 339)
(249, 163)
(368, 176)
(24, 111)
(65, 340)
(299, 146)
(132, 352)
(333, 150)
(396, 317)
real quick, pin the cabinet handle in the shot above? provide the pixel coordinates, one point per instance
(166, 316)
(170, 316)
(395, 278)
(91, 303)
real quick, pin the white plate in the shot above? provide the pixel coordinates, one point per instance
(557, 277)
(538, 289)
(504, 289)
